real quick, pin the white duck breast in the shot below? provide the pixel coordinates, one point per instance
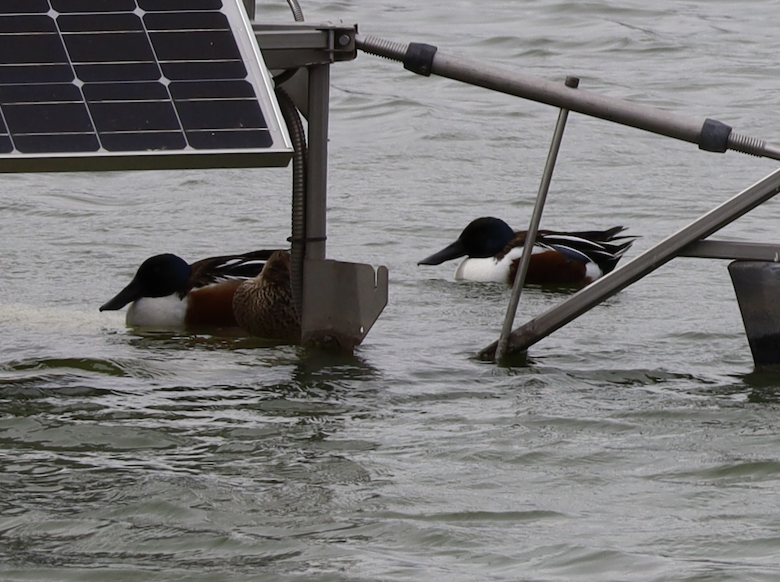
(157, 312)
(490, 270)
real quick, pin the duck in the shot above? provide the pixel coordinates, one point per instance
(493, 249)
(264, 306)
(167, 293)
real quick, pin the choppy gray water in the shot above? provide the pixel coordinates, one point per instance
(636, 445)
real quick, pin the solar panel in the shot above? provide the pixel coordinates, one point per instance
(134, 84)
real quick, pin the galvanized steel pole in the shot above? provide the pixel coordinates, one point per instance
(317, 167)
(709, 135)
(533, 228)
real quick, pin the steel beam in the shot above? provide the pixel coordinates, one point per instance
(340, 300)
(533, 227)
(301, 44)
(733, 251)
(709, 135)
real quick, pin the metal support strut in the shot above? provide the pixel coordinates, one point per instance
(337, 301)
(533, 228)
(709, 135)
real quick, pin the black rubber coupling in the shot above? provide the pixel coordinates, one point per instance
(714, 136)
(419, 58)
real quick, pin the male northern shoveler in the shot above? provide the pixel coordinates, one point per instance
(493, 252)
(264, 305)
(169, 293)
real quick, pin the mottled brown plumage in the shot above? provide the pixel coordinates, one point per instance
(264, 306)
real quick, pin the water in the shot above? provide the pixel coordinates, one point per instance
(637, 444)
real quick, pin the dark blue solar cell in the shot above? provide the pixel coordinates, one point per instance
(55, 143)
(108, 72)
(220, 114)
(99, 22)
(17, 94)
(27, 23)
(35, 48)
(6, 147)
(176, 5)
(125, 92)
(186, 21)
(251, 138)
(117, 116)
(24, 6)
(54, 73)
(185, 71)
(211, 89)
(143, 141)
(47, 118)
(108, 47)
(212, 45)
(93, 5)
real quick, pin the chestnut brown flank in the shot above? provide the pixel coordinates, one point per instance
(213, 305)
(551, 268)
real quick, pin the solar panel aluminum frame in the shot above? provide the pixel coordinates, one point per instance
(277, 153)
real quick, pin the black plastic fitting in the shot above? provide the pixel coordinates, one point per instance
(419, 58)
(714, 136)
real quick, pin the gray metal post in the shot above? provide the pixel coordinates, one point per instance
(552, 93)
(317, 170)
(341, 301)
(533, 228)
(710, 135)
(555, 318)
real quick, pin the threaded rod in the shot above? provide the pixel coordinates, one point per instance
(380, 47)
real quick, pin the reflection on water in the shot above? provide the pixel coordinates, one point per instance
(762, 387)
(154, 473)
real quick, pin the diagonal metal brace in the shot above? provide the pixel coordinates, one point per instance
(546, 323)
